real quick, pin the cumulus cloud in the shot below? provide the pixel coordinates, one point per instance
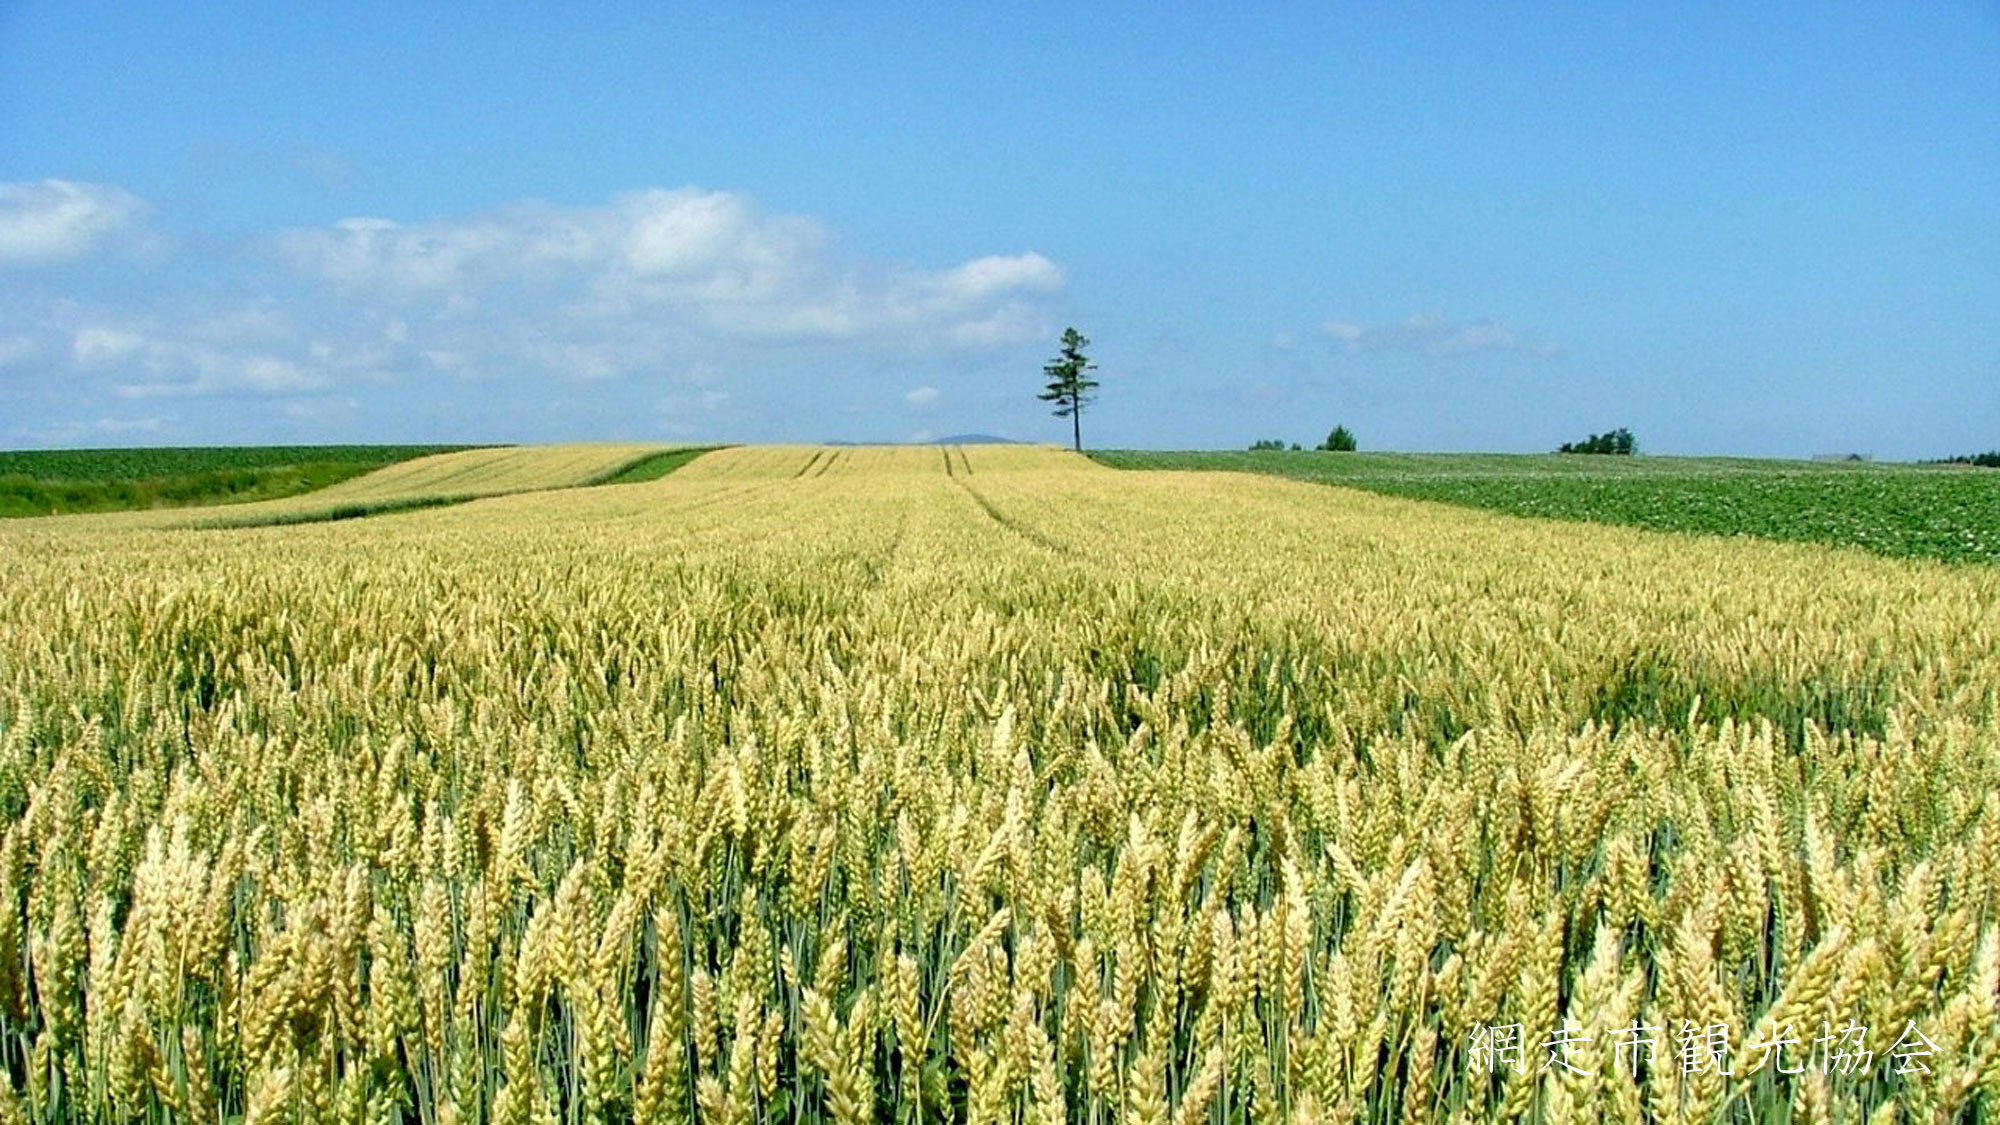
(1434, 334)
(731, 311)
(60, 220)
(98, 346)
(710, 262)
(176, 368)
(987, 276)
(253, 347)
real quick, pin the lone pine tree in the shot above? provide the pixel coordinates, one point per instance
(1069, 387)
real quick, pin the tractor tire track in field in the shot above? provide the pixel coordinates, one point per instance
(878, 567)
(1010, 523)
(735, 494)
(964, 463)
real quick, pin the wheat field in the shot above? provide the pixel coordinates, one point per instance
(440, 479)
(986, 784)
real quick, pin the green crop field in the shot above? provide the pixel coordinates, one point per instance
(132, 464)
(1947, 512)
(63, 481)
(454, 478)
(655, 466)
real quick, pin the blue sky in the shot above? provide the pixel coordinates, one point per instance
(1761, 229)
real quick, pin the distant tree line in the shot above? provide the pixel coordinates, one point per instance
(1988, 460)
(1341, 440)
(1618, 441)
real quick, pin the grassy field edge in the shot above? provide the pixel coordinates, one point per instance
(645, 467)
(82, 481)
(650, 466)
(1945, 513)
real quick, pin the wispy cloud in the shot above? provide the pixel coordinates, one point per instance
(693, 413)
(102, 430)
(18, 350)
(706, 261)
(97, 346)
(251, 347)
(60, 220)
(1432, 333)
(922, 398)
(538, 298)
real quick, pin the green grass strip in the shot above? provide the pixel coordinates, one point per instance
(354, 511)
(651, 466)
(1947, 513)
(173, 461)
(70, 481)
(21, 495)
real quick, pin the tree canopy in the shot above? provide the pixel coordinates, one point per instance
(1070, 384)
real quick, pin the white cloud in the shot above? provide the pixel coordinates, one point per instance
(1012, 323)
(984, 277)
(368, 253)
(1432, 333)
(692, 414)
(706, 262)
(58, 220)
(98, 430)
(507, 313)
(98, 346)
(175, 369)
(253, 347)
(581, 361)
(272, 374)
(715, 240)
(451, 363)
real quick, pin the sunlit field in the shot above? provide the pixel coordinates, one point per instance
(64, 481)
(986, 784)
(1949, 512)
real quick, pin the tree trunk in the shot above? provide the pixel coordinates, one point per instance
(1076, 424)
